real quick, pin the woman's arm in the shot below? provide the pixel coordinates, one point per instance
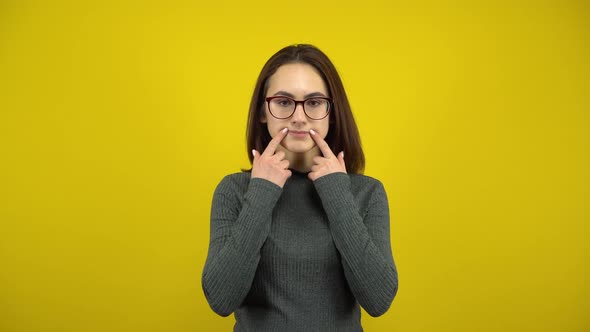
(239, 227)
(362, 238)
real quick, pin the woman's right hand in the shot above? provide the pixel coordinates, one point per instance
(271, 165)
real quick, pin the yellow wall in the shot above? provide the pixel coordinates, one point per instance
(118, 120)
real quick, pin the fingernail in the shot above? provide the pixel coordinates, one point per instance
(342, 154)
(311, 131)
(253, 153)
(285, 130)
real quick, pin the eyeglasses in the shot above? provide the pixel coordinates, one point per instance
(315, 108)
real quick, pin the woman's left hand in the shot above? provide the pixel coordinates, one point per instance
(327, 164)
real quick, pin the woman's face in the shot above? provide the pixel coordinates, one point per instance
(298, 81)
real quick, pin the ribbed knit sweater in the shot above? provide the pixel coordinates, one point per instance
(300, 258)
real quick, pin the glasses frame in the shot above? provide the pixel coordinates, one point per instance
(302, 102)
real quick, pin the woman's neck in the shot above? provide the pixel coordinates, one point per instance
(301, 162)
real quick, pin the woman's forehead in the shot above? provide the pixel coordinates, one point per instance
(297, 79)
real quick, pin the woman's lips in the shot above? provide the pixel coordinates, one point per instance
(299, 133)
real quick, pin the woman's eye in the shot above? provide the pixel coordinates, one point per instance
(284, 102)
(314, 102)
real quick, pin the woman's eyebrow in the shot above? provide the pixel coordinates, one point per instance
(309, 95)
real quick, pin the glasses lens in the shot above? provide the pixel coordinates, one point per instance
(281, 107)
(316, 108)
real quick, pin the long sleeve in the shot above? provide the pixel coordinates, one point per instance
(362, 238)
(240, 223)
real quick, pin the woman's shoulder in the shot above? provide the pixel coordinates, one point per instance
(364, 186)
(367, 190)
(234, 181)
(362, 180)
(238, 176)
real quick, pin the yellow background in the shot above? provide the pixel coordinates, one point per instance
(118, 119)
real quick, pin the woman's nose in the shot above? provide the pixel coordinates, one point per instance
(299, 114)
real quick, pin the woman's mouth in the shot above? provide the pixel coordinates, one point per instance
(299, 133)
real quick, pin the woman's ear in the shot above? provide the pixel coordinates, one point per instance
(262, 117)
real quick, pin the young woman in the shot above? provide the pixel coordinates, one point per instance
(302, 239)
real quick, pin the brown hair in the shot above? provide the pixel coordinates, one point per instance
(343, 134)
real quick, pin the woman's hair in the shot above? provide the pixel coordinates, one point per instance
(342, 135)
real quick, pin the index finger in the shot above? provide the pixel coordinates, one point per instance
(324, 147)
(274, 143)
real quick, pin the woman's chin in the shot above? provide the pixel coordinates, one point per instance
(298, 147)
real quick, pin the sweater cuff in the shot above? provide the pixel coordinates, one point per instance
(335, 192)
(263, 193)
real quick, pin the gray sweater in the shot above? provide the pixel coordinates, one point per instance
(300, 258)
